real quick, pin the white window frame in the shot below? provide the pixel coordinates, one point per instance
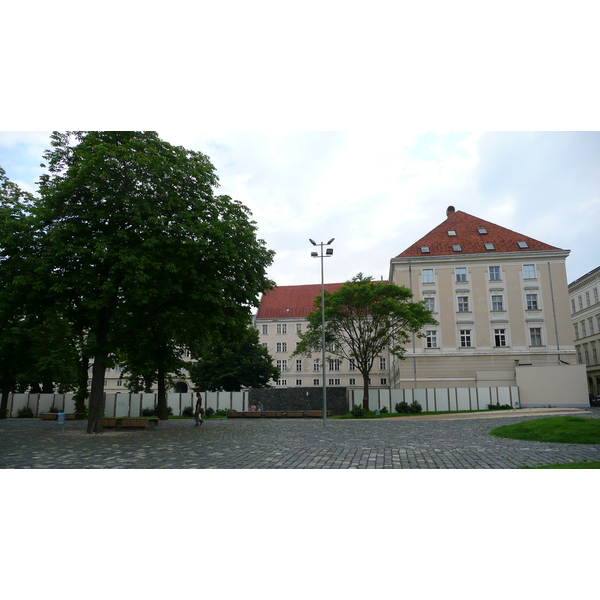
(529, 272)
(463, 304)
(535, 336)
(298, 365)
(265, 330)
(428, 276)
(500, 338)
(431, 338)
(459, 274)
(532, 301)
(465, 338)
(495, 274)
(498, 302)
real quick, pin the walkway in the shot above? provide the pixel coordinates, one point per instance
(443, 442)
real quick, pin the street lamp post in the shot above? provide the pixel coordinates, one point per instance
(328, 253)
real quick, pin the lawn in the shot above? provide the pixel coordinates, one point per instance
(564, 430)
(592, 464)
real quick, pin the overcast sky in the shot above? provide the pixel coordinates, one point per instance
(378, 192)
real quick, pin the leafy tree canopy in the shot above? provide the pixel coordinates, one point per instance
(362, 318)
(229, 367)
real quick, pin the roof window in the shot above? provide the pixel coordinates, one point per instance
(489, 246)
(523, 244)
(425, 249)
(482, 230)
(451, 232)
(457, 248)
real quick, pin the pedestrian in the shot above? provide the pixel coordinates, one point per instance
(198, 411)
(260, 407)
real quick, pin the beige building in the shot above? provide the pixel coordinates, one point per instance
(585, 318)
(279, 320)
(500, 298)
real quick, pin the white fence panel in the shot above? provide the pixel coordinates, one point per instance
(462, 399)
(148, 400)
(46, 402)
(239, 401)
(442, 399)
(211, 400)
(122, 404)
(483, 398)
(504, 396)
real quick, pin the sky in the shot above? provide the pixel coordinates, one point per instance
(377, 192)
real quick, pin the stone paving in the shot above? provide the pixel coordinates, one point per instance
(426, 442)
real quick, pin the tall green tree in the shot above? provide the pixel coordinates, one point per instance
(131, 228)
(362, 318)
(230, 366)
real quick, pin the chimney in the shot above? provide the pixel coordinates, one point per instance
(450, 211)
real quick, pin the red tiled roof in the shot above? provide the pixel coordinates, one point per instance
(470, 240)
(292, 301)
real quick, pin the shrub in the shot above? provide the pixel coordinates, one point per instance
(384, 409)
(415, 407)
(152, 412)
(210, 411)
(402, 407)
(188, 411)
(357, 411)
(499, 407)
(53, 409)
(25, 413)
(222, 412)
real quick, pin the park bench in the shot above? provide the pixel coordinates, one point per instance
(130, 422)
(278, 414)
(68, 416)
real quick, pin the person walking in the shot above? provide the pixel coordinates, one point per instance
(198, 411)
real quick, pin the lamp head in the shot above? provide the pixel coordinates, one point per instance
(312, 242)
(331, 240)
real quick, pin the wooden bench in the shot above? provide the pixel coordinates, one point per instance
(130, 422)
(278, 414)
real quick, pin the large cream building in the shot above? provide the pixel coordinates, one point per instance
(585, 316)
(281, 317)
(500, 298)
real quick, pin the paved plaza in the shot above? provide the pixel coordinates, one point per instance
(425, 442)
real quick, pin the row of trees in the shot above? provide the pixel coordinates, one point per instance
(126, 255)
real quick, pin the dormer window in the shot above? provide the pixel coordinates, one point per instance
(451, 232)
(523, 244)
(489, 246)
(457, 248)
(482, 230)
(424, 249)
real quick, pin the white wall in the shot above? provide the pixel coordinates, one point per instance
(557, 385)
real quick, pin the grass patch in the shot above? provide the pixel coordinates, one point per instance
(591, 464)
(564, 430)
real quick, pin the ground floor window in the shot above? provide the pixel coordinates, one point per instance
(499, 338)
(334, 382)
(282, 382)
(316, 382)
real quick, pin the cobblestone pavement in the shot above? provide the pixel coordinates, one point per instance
(450, 442)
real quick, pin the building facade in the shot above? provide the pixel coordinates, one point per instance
(585, 318)
(280, 319)
(500, 299)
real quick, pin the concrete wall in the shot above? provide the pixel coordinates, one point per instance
(558, 385)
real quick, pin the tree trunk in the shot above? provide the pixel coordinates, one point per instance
(6, 387)
(161, 403)
(365, 390)
(96, 410)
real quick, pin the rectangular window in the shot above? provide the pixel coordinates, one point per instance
(579, 354)
(282, 382)
(594, 354)
(298, 327)
(595, 294)
(352, 381)
(500, 338)
(282, 328)
(587, 299)
(281, 346)
(382, 366)
(580, 302)
(351, 365)
(431, 339)
(334, 382)
(334, 364)
(572, 305)
(576, 328)
(282, 365)
(587, 355)
(494, 273)
(316, 382)
(463, 304)
(465, 338)
(298, 381)
(497, 303)
(528, 271)
(461, 274)
(265, 329)
(298, 365)
(430, 304)
(532, 301)
(583, 331)
(536, 336)
(119, 383)
(427, 275)
(598, 321)
(383, 381)
(265, 345)
(317, 364)
(591, 324)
